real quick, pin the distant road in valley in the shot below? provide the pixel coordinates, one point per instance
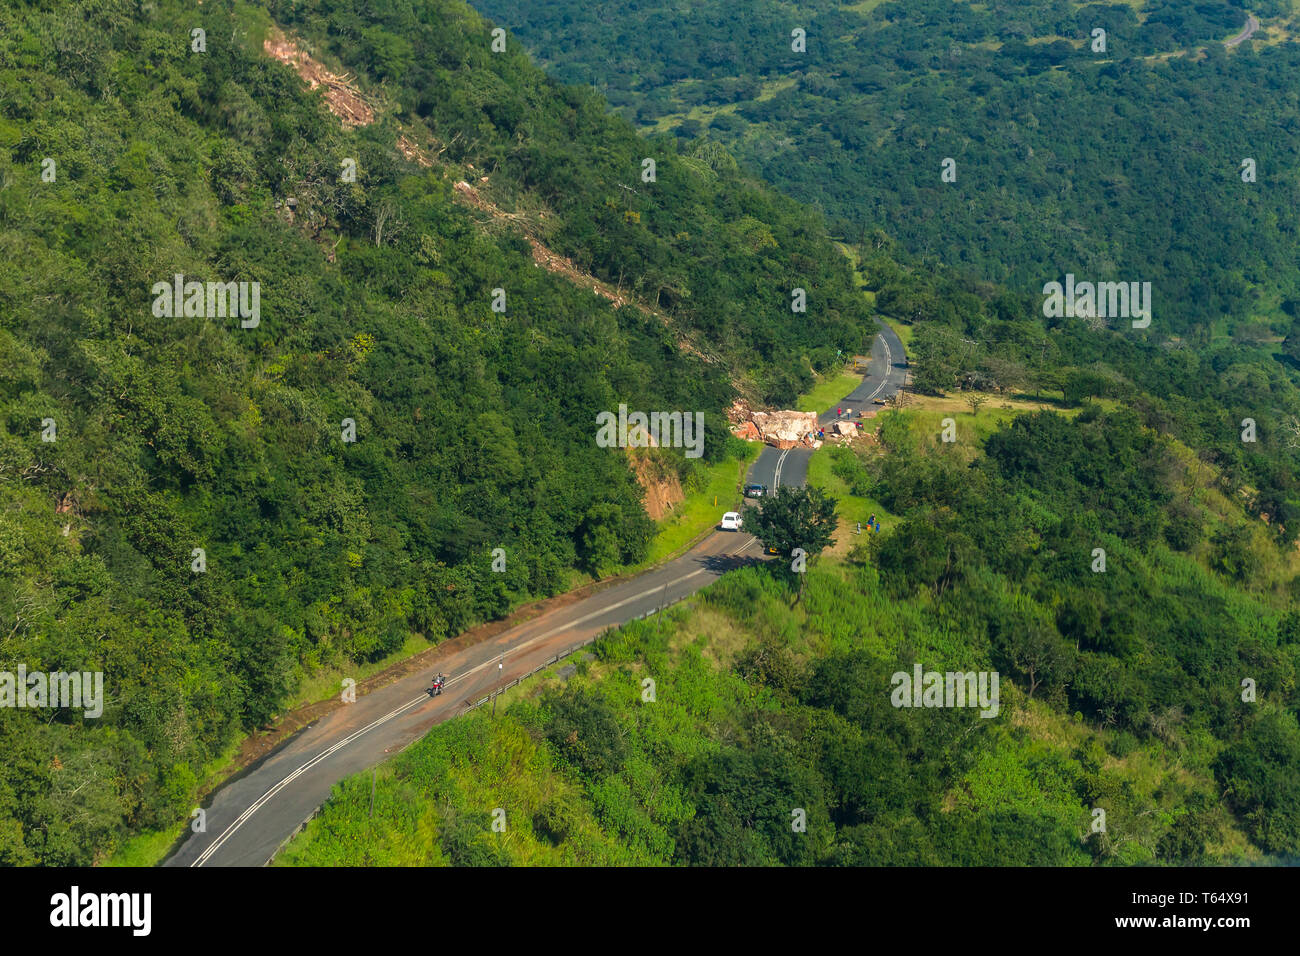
(1252, 24)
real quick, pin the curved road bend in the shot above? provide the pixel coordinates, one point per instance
(885, 377)
(1252, 25)
(250, 817)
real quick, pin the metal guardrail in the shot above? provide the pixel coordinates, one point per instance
(563, 654)
(296, 830)
(496, 693)
(536, 670)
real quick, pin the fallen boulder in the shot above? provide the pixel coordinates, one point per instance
(785, 426)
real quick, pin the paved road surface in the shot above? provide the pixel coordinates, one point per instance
(1251, 26)
(887, 374)
(250, 817)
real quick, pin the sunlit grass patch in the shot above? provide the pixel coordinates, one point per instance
(719, 491)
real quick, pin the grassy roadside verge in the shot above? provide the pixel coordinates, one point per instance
(704, 656)
(692, 518)
(716, 491)
(826, 393)
(327, 682)
(148, 847)
(151, 846)
(928, 412)
(719, 491)
(850, 507)
(904, 332)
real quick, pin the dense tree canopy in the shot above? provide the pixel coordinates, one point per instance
(1118, 164)
(128, 156)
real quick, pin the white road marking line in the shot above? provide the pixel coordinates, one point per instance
(572, 624)
(257, 804)
(780, 463)
(889, 366)
(260, 801)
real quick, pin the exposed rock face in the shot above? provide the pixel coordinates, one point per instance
(782, 429)
(785, 426)
(663, 492)
(739, 413)
(341, 94)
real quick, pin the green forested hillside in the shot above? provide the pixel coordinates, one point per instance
(474, 428)
(1159, 686)
(129, 154)
(1124, 163)
(1236, 402)
(1122, 690)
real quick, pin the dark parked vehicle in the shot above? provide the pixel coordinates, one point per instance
(755, 491)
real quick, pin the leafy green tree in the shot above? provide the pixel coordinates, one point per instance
(1260, 783)
(745, 804)
(1081, 385)
(794, 517)
(937, 359)
(601, 544)
(1235, 553)
(468, 840)
(1291, 344)
(1034, 652)
(586, 732)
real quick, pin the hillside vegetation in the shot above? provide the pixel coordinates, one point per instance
(129, 155)
(712, 736)
(182, 508)
(1124, 559)
(1124, 163)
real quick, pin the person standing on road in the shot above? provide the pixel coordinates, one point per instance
(839, 412)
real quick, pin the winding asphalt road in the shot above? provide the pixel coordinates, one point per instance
(251, 817)
(885, 377)
(1252, 25)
